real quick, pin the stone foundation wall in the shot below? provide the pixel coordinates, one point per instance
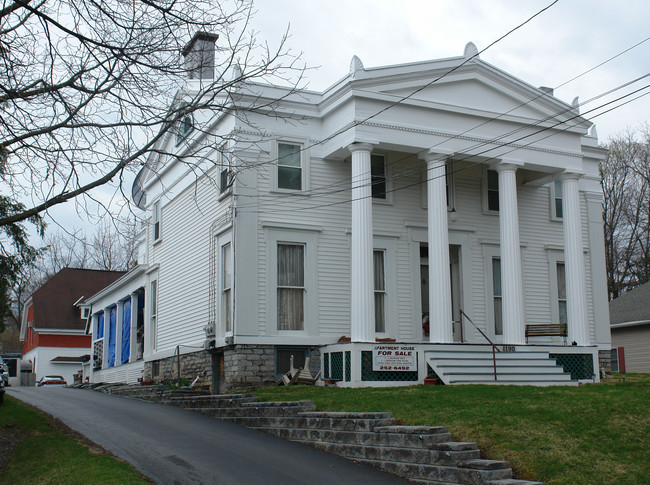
(240, 367)
(192, 365)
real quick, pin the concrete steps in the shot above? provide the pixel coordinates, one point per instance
(423, 454)
(475, 365)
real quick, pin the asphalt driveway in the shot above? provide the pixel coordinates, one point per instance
(176, 446)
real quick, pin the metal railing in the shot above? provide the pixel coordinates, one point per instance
(494, 347)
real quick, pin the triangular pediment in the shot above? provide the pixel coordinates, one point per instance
(479, 87)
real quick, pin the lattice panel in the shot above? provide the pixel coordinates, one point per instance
(348, 366)
(580, 366)
(98, 353)
(337, 366)
(326, 364)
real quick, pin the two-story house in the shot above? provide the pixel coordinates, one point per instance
(435, 206)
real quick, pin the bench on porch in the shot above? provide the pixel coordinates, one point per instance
(547, 330)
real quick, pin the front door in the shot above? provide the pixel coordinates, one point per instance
(456, 288)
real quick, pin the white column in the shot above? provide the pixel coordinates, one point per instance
(106, 337)
(133, 344)
(440, 316)
(576, 288)
(511, 279)
(362, 291)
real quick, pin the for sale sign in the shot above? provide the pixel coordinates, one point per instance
(394, 358)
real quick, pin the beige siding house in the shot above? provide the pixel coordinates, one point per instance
(630, 324)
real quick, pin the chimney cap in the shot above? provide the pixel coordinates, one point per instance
(200, 35)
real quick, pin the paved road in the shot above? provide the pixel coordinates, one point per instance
(176, 446)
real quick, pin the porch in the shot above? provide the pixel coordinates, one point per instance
(384, 364)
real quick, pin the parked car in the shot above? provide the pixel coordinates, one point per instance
(2, 391)
(4, 370)
(51, 381)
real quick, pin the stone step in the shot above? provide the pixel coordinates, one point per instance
(303, 420)
(433, 441)
(252, 410)
(394, 454)
(210, 400)
(513, 481)
(462, 474)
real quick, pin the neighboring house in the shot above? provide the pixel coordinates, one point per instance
(630, 324)
(54, 321)
(377, 209)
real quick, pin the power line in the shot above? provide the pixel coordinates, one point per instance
(319, 190)
(407, 173)
(354, 124)
(346, 201)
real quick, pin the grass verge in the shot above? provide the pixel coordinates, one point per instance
(591, 434)
(42, 450)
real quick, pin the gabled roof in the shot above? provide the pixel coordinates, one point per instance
(631, 307)
(54, 303)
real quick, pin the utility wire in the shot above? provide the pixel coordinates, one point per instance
(319, 191)
(354, 124)
(408, 173)
(494, 158)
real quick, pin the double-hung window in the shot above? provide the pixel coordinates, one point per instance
(291, 286)
(492, 191)
(184, 128)
(557, 212)
(153, 299)
(225, 179)
(561, 291)
(226, 286)
(378, 176)
(290, 169)
(380, 290)
(497, 296)
(156, 221)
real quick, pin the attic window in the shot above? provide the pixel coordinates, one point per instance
(85, 312)
(185, 127)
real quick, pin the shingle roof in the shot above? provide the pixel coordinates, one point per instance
(632, 306)
(53, 302)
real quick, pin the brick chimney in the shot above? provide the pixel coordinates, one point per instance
(199, 56)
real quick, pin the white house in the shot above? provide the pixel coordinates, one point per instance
(387, 206)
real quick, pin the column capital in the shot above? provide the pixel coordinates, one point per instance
(507, 166)
(570, 176)
(355, 147)
(438, 155)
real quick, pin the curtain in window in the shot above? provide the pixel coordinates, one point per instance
(561, 292)
(291, 286)
(380, 291)
(227, 286)
(496, 281)
(126, 332)
(111, 336)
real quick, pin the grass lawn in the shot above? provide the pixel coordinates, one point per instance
(45, 452)
(591, 434)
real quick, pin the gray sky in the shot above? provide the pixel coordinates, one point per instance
(568, 39)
